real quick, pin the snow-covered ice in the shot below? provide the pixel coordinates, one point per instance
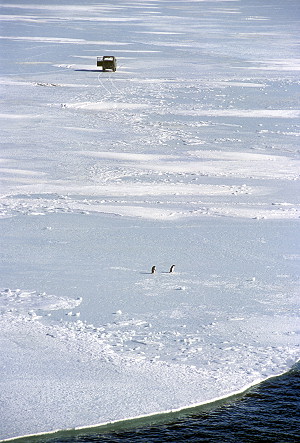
(188, 154)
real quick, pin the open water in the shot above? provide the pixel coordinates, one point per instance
(269, 412)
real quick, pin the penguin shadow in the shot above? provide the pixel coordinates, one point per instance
(153, 271)
(171, 270)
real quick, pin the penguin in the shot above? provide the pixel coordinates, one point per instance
(153, 270)
(172, 268)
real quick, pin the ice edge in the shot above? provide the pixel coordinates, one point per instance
(154, 414)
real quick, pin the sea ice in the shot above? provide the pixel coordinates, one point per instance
(187, 154)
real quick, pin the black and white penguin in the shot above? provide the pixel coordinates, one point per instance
(172, 268)
(153, 269)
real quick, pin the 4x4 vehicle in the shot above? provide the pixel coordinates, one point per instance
(107, 62)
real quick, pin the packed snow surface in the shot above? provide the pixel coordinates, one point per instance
(188, 154)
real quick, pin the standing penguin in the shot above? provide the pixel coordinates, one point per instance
(153, 269)
(172, 268)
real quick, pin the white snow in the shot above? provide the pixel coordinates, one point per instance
(261, 113)
(25, 301)
(104, 106)
(187, 154)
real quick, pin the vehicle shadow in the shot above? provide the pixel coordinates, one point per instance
(89, 70)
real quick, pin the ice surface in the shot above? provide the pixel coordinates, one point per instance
(187, 154)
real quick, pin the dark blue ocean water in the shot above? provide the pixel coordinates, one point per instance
(269, 412)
